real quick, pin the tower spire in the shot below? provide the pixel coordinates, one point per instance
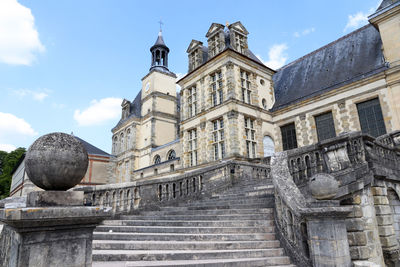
(159, 52)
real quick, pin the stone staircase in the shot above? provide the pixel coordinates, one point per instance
(234, 228)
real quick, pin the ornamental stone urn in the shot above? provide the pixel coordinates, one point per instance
(323, 186)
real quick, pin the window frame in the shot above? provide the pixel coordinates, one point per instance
(285, 145)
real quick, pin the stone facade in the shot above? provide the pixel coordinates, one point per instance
(226, 82)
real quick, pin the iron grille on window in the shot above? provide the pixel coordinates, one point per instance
(371, 119)
(325, 126)
(289, 140)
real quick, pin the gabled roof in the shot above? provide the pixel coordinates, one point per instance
(91, 149)
(193, 44)
(346, 60)
(213, 28)
(238, 26)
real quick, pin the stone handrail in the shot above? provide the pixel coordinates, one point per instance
(126, 198)
(354, 159)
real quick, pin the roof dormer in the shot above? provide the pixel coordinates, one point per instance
(195, 54)
(238, 37)
(216, 39)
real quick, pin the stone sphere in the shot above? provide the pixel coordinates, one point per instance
(323, 186)
(56, 161)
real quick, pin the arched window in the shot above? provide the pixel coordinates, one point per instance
(157, 159)
(171, 155)
(269, 147)
(122, 148)
(128, 139)
(115, 145)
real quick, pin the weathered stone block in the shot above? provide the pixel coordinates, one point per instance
(388, 241)
(384, 219)
(379, 191)
(381, 200)
(55, 198)
(354, 224)
(357, 238)
(382, 209)
(386, 230)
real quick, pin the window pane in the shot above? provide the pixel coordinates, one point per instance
(289, 136)
(325, 126)
(371, 118)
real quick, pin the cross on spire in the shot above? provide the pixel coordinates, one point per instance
(161, 23)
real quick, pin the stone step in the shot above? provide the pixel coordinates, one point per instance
(207, 206)
(182, 245)
(243, 262)
(153, 255)
(184, 229)
(253, 194)
(183, 236)
(200, 217)
(235, 223)
(188, 211)
(222, 202)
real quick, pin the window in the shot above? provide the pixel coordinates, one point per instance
(157, 159)
(115, 145)
(240, 43)
(217, 95)
(194, 58)
(122, 148)
(325, 126)
(250, 137)
(245, 84)
(214, 45)
(264, 103)
(371, 119)
(192, 138)
(269, 147)
(192, 101)
(171, 155)
(218, 138)
(128, 139)
(289, 140)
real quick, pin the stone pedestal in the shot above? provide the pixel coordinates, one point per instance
(42, 236)
(327, 235)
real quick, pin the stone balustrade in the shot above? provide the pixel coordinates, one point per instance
(125, 198)
(364, 167)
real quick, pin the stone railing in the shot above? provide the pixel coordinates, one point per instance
(126, 198)
(354, 160)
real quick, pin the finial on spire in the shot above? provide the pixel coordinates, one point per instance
(161, 23)
(227, 24)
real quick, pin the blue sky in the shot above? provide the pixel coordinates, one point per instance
(66, 65)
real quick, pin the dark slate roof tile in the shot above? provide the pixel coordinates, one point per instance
(91, 149)
(348, 59)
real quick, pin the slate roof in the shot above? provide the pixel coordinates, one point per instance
(159, 41)
(91, 149)
(353, 57)
(386, 3)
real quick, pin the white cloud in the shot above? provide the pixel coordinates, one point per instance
(7, 147)
(277, 56)
(304, 32)
(355, 21)
(19, 39)
(36, 95)
(99, 111)
(13, 130)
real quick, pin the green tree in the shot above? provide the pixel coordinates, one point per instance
(7, 163)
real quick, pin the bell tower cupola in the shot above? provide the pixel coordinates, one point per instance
(159, 54)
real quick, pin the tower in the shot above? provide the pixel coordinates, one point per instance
(159, 54)
(159, 102)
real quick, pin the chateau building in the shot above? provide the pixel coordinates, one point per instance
(233, 106)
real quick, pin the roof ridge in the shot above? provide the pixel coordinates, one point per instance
(324, 47)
